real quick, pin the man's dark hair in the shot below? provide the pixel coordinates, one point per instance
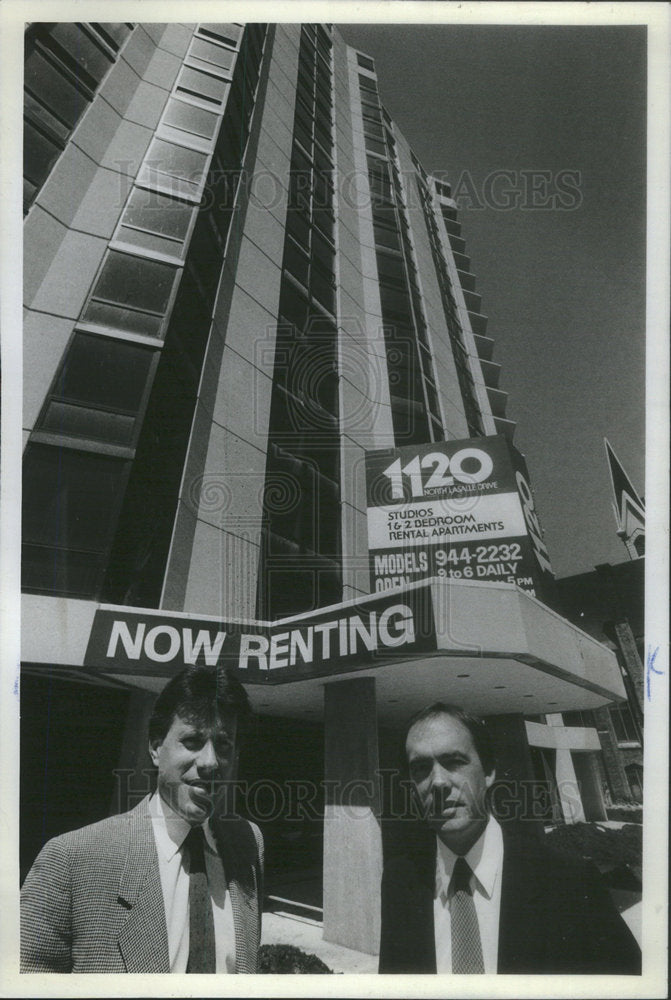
(198, 694)
(473, 723)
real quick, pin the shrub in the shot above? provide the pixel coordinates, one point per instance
(280, 958)
(610, 850)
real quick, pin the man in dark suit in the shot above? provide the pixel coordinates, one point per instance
(174, 885)
(464, 895)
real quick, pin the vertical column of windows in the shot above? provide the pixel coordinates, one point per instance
(301, 540)
(63, 69)
(460, 354)
(415, 406)
(103, 414)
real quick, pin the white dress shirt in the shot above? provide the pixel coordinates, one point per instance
(170, 831)
(485, 859)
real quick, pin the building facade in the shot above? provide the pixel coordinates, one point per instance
(239, 281)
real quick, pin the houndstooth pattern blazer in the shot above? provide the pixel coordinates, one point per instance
(92, 902)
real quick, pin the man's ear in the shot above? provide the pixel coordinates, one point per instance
(490, 778)
(153, 752)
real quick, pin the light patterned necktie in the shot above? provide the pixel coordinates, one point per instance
(466, 943)
(202, 955)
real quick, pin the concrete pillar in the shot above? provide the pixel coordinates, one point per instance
(513, 796)
(352, 838)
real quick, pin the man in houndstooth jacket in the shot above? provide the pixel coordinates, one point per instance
(114, 896)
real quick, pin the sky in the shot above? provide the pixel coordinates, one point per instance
(564, 288)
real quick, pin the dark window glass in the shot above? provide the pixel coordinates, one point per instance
(129, 290)
(105, 372)
(135, 281)
(228, 33)
(70, 502)
(365, 62)
(157, 213)
(208, 88)
(298, 226)
(39, 154)
(178, 161)
(116, 34)
(297, 262)
(50, 85)
(322, 288)
(37, 112)
(390, 267)
(366, 83)
(322, 251)
(190, 118)
(88, 55)
(395, 301)
(375, 146)
(212, 53)
(293, 305)
(386, 237)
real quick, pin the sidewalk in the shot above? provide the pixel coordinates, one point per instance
(283, 928)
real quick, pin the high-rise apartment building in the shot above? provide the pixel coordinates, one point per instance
(240, 281)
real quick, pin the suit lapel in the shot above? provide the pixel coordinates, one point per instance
(143, 940)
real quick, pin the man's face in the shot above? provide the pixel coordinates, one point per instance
(192, 759)
(450, 780)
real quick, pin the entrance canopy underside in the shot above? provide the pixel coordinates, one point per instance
(490, 648)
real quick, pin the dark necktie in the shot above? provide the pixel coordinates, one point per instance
(202, 957)
(466, 943)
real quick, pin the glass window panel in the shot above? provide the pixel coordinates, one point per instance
(36, 111)
(71, 420)
(202, 85)
(295, 261)
(390, 267)
(92, 59)
(322, 288)
(118, 318)
(108, 373)
(325, 220)
(116, 31)
(190, 118)
(39, 154)
(322, 250)
(212, 53)
(375, 146)
(47, 83)
(157, 213)
(177, 161)
(293, 305)
(228, 33)
(298, 226)
(135, 281)
(70, 497)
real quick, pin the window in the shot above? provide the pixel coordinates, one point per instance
(366, 83)
(132, 293)
(190, 118)
(623, 724)
(64, 66)
(99, 390)
(365, 62)
(154, 221)
(296, 261)
(70, 505)
(207, 88)
(210, 53)
(229, 34)
(176, 167)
